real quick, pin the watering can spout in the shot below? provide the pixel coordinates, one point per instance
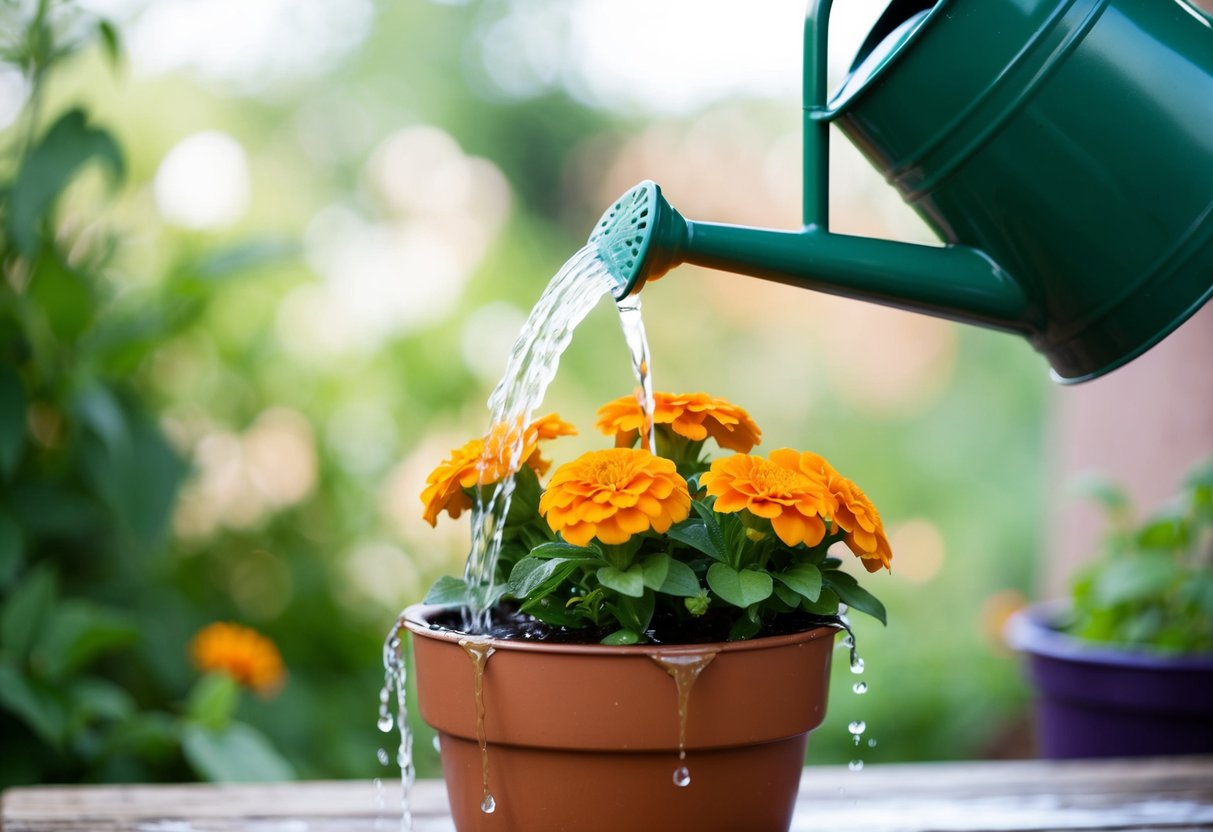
(641, 237)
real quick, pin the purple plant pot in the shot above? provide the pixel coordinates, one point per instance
(1095, 700)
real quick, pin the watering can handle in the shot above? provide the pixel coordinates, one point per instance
(816, 197)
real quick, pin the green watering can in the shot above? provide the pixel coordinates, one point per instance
(1062, 149)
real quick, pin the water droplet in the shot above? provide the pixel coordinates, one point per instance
(857, 665)
(386, 722)
(437, 744)
(384, 759)
(488, 805)
(855, 765)
(860, 687)
(872, 743)
(384, 695)
(682, 777)
(856, 739)
(857, 727)
(848, 641)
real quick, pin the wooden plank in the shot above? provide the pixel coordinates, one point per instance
(1174, 794)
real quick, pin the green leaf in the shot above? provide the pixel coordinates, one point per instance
(12, 549)
(1198, 590)
(448, 591)
(237, 754)
(110, 42)
(560, 549)
(695, 534)
(827, 604)
(803, 578)
(1164, 532)
(680, 580)
(99, 410)
(94, 698)
(622, 636)
(25, 609)
(790, 597)
(138, 483)
(531, 573)
(744, 628)
(741, 589)
(63, 295)
(1201, 476)
(53, 510)
(634, 613)
(654, 570)
(49, 166)
(244, 257)
(1134, 579)
(12, 421)
(630, 582)
(76, 632)
(36, 708)
(711, 522)
(213, 700)
(1097, 487)
(855, 596)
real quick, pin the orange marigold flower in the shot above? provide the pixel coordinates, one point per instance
(242, 653)
(865, 532)
(796, 503)
(693, 415)
(444, 486)
(486, 461)
(855, 514)
(614, 494)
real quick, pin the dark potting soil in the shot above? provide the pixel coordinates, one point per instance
(665, 628)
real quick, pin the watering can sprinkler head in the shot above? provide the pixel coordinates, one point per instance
(641, 237)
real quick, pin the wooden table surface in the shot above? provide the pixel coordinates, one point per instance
(1167, 794)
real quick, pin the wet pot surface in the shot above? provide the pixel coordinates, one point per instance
(591, 737)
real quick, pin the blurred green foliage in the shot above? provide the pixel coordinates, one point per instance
(176, 447)
(1152, 585)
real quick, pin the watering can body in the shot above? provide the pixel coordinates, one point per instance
(1061, 149)
(1070, 141)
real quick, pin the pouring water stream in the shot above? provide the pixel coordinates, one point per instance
(572, 293)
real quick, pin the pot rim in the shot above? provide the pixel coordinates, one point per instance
(415, 619)
(1033, 630)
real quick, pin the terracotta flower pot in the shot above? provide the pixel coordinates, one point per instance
(586, 737)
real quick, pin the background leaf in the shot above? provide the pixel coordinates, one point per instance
(51, 164)
(237, 754)
(12, 420)
(25, 610)
(12, 549)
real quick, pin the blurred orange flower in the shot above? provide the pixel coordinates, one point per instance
(242, 653)
(614, 494)
(695, 416)
(796, 503)
(855, 513)
(444, 487)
